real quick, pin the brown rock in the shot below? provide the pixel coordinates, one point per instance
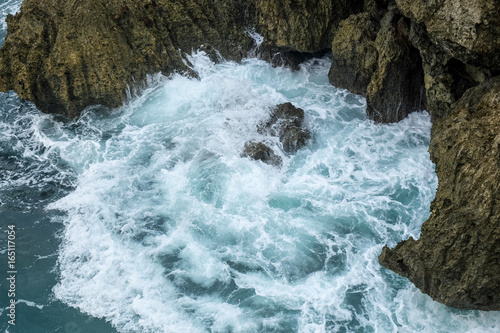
(376, 59)
(456, 260)
(65, 56)
(304, 26)
(354, 53)
(467, 30)
(261, 152)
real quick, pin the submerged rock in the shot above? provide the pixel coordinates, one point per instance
(261, 152)
(287, 122)
(456, 260)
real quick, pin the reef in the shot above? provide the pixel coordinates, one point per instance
(403, 56)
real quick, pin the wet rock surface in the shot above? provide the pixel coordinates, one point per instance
(261, 152)
(287, 123)
(67, 55)
(375, 58)
(456, 260)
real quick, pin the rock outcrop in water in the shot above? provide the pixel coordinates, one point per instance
(287, 123)
(261, 152)
(456, 260)
(66, 55)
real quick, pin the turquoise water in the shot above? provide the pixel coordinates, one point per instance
(147, 218)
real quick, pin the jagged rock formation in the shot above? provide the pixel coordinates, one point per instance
(261, 152)
(64, 56)
(373, 57)
(67, 55)
(287, 123)
(456, 260)
(304, 26)
(459, 44)
(455, 47)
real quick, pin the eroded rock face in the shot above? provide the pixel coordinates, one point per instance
(376, 59)
(354, 53)
(304, 26)
(66, 55)
(468, 30)
(456, 260)
(457, 257)
(459, 45)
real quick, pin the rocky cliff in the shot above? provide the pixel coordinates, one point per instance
(67, 55)
(456, 260)
(443, 56)
(64, 56)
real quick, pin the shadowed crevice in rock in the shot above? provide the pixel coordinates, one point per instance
(456, 260)
(376, 59)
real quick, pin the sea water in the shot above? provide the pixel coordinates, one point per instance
(148, 219)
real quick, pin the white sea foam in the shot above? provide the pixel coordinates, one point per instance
(169, 229)
(7, 7)
(29, 303)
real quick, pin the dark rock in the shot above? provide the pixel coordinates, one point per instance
(304, 26)
(260, 152)
(286, 122)
(376, 59)
(456, 260)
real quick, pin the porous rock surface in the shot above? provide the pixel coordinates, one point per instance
(66, 55)
(373, 57)
(456, 260)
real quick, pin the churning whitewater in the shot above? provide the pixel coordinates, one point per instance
(170, 229)
(161, 225)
